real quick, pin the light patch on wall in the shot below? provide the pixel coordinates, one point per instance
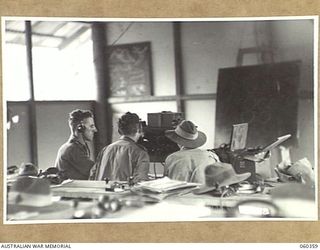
(202, 113)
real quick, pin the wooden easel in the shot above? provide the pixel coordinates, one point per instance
(264, 54)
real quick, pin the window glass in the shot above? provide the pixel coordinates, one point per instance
(15, 73)
(64, 74)
(62, 61)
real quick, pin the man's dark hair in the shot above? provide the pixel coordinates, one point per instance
(77, 116)
(127, 124)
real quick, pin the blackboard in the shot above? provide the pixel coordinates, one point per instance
(130, 69)
(264, 96)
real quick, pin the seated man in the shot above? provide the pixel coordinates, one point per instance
(73, 159)
(124, 158)
(190, 162)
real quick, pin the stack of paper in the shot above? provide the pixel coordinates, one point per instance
(164, 187)
(165, 184)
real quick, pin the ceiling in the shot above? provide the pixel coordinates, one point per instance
(52, 34)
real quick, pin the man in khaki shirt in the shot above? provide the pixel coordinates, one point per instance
(124, 158)
(190, 162)
(73, 158)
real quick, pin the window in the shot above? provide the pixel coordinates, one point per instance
(62, 56)
(15, 73)
(66, 74)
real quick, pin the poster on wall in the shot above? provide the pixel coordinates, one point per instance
(130, 69)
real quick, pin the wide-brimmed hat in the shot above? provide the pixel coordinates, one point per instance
(28, 169)
(31, 198)
(187, 135)
(219, 175)
(30, 191)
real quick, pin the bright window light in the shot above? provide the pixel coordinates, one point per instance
(15, 73)
(8, 125)
(66, 74)
(15, 118)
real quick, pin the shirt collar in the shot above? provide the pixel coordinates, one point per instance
(75, 139)
(184, 148)
(126, 138)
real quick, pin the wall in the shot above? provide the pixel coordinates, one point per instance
(293, 40)
(206, 47)
(160, 36)
(209, 46)
(202, 113)
(18, 136)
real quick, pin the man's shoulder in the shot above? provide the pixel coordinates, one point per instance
(70, 146)
(140, 146)
(114, 145)
(125, 145)
(188, 153)
(175, 155)
(132, 145)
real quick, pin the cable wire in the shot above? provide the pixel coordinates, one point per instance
(123, 32)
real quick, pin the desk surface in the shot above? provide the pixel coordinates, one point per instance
(84, 189)
(95, 189)
(186, 207)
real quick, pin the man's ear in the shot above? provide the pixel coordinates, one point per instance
(81, 128)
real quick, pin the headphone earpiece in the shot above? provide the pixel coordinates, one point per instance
(81, 128)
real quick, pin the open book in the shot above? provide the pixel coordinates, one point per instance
(277, 142)
(164, 185)
(162, 188)
(262, 153)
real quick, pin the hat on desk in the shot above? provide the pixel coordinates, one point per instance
(31, 198)
(28, 169)
(187, 135)
(219, 175)
(30, 191)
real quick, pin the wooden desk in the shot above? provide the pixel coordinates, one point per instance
(187, 207)
(95, 189)
(84, 189)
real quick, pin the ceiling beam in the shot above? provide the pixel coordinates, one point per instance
(73, 37)
(35, 34)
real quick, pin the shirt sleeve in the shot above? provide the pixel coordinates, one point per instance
(96, 168)
(93, 171)
(166, 164)
(142, 169)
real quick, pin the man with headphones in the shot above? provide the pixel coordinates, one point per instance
(73, 159)
(124, 159)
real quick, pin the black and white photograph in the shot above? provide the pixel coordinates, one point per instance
(159, 119)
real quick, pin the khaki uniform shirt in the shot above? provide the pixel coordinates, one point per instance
(189, 165)
(73, 160)
(120, 160)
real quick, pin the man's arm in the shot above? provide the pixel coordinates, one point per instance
(142, 169)
(98, 166)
